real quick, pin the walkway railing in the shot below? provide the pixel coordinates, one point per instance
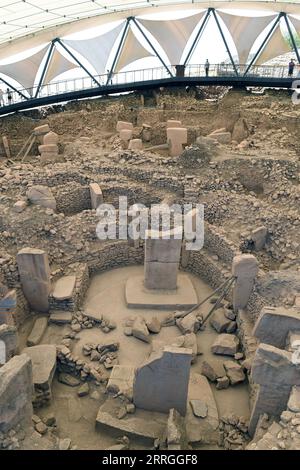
(145, 75)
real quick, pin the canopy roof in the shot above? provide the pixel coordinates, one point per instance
(34, 24)
(25, 24)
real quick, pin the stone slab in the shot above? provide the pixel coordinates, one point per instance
(64, 288)
(160, 275)
(60, 317)
(274, 324)
(161, 382)
(43, 358)
(184, 297)
(38, 331)
(15, 393)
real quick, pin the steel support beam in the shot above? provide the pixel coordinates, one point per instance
(49, 56)
(292, 37)
(125, 31)
(151, 45)
(265, 41)
(60, 42)
(225, 42)
(195, 42)
(14, 89)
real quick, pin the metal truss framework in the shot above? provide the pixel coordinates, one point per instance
(211, 13)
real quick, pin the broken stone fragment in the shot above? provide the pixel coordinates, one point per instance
(222, 383)
(64, 444)
(84, 390)
(219, 321)
(41, 196)
(199, 408)
(226, 344)
(41, 428)
(19, 206)
(191, 323)
(68, 379)
(38, 331)
(176, 432)
(140, 330)
(153, 325)
(212, 369)
(234, 372)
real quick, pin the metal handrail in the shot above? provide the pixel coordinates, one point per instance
(143, 75)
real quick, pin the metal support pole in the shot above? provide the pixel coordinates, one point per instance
(263, 43)
(118, 51)
(45, 68)
(219, 301)
(195, 42)
(225, 42)
(14, 89)
(292, 37)
(152, 47)
(77, 61)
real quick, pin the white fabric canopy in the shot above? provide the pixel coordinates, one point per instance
(25, 25)
(25, 71)
(132, 50)
(58, 65)
(173, 35)
(244, 31)
(98, 49)
(296, 23)
(274, 48)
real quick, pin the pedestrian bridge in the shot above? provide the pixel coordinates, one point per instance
(154, 78)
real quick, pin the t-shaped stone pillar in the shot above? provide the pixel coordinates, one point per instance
(176, 138)
(162, 256)
(245, 269)
(276, 374)
(34, 272)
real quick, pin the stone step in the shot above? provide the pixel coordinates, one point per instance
(60, 317)
(64, 288)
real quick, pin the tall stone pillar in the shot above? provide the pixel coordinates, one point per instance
(34, 272)
(162, 256)
(276, 374)
(245, 269)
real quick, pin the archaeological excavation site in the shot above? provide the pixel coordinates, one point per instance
(149, 243)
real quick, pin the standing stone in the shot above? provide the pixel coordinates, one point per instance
(41, 196)
(123, 125)
(135, 144)
(161, 383)
(162, 258)
(259, 238)
(96, 195)
(34, 272)
(176, 138)
(276, 374)
(245, 269)
(15, 393)
(9, 336)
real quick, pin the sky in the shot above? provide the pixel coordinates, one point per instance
(210, 45)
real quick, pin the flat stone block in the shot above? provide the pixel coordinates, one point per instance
(38, 331)
(60, 317)
(162, 250)
(182, 298)
(43, 358)
(274, 324)
(64, 288)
